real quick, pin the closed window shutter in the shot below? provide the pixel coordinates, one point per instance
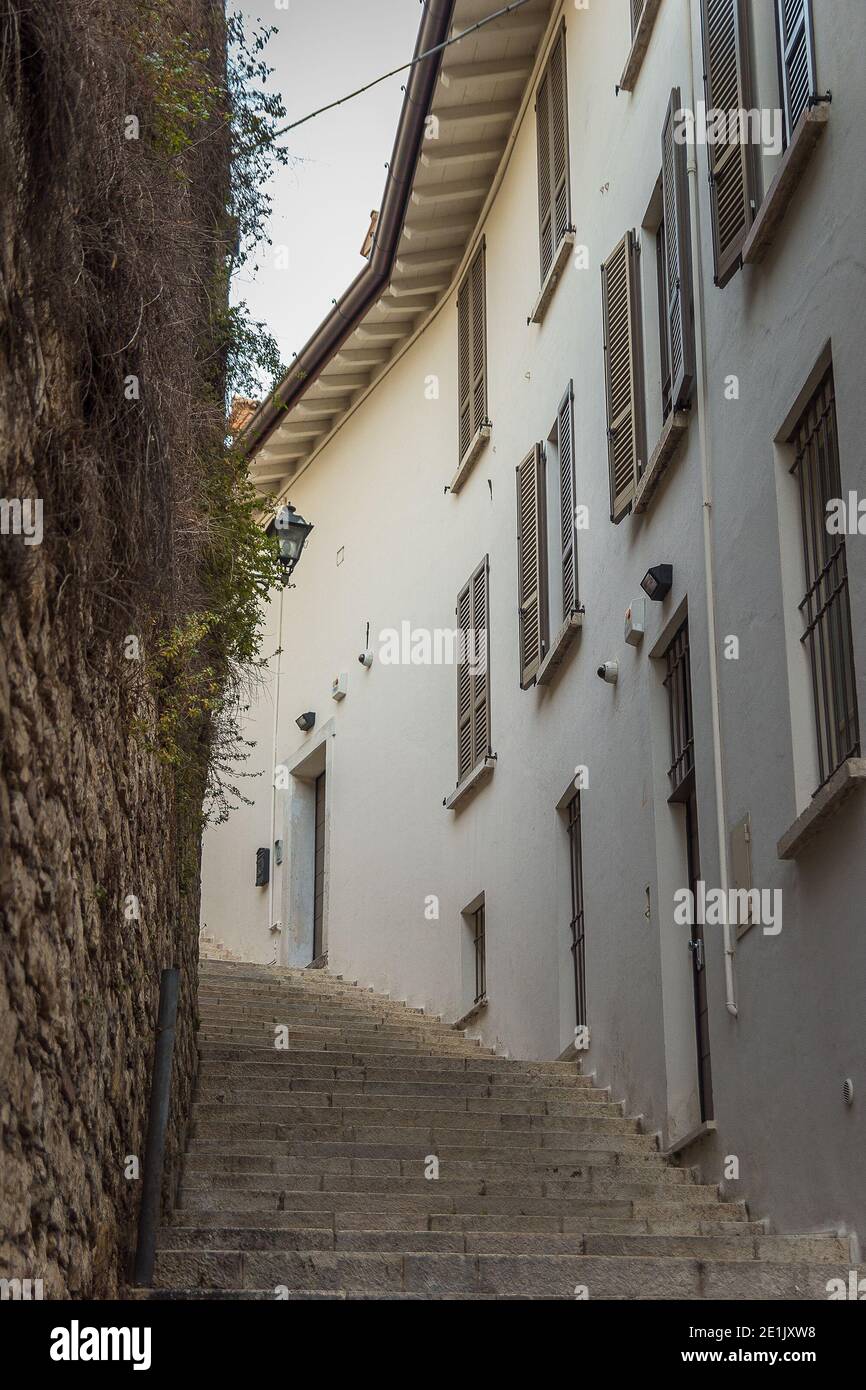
(464, 375)
(732, 166)
(796, 37)
(464, 688)
(481, 674)
(679, 312)
(567, 501)
(531, 564)
(473, 682)
(551, 119)
(623, 373)
(472, 352)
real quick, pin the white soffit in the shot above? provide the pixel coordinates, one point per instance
(479, 94)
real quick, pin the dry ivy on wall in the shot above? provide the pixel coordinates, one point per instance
(145, 189)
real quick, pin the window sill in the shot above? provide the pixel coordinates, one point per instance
(675, 428)
(479, 442)
(639, 46)
(481, 773)
(560, 645)
(471, 1015)
(810, 128)
(553, 277)
(850, 776)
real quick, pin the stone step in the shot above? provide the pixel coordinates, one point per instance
(736, 1244)
(307, 1148)
(370, 1102)
(400, 1096)
(606, 1167)
(416, 1140)
(681, 1202)
(345, 1115)
(355, 1047)
(276, 1068)
(702, 1220)
(272, 1189)
(301, 1011)
(330, 1027)
(609, 1277)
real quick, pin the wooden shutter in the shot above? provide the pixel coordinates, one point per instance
(464, 688)
(636, 10)
(796, 37)
(679, 313)
(732, 164)
(472, 352)
(551, 120)
(481, 675)
(473, 677)
(531, 564)
(623, 373)
(567, 502)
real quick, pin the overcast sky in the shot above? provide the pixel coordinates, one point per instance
(324, 49)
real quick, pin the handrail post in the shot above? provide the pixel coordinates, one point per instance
(157, 1122)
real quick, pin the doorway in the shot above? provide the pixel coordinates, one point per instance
(319, 867)
(681, 779)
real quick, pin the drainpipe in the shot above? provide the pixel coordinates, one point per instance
(709, 573)
(271, 857)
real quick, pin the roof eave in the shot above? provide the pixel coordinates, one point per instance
(373, 278)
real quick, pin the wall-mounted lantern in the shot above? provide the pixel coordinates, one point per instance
(657, 582)
(291, 531)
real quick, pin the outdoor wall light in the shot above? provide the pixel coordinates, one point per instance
(657, 582)
(291, 531)
(306, 721)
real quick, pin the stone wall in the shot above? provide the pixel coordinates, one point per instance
(98, 868)
(86, 822)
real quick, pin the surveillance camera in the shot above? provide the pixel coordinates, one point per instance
(366, 658)
(306, 721)
(609, 672)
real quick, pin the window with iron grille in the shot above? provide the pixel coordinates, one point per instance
(578, 958)
(678, 683)
(825, 607)
(476, 923)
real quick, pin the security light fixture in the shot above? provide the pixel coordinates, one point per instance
(306, 721)
(657, 582)
(291, 531)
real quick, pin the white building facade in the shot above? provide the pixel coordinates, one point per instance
(596, 345)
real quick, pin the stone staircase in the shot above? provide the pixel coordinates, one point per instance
(309, 1172)
(211, 949)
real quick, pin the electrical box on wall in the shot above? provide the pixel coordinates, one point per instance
(635, 622)
(339, 686)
